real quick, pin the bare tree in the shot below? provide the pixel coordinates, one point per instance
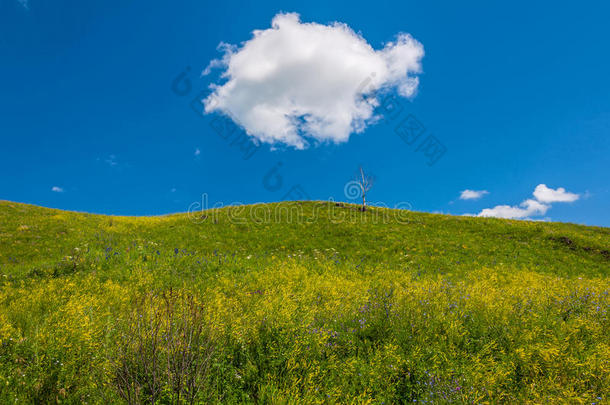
(365, 182)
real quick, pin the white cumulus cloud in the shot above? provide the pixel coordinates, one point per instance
(297, 81)
(526, 209)
(548, 195)
(56, 189)
(543, 197)
(472, 194)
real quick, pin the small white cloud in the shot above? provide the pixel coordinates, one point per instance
(173, 190)
(544, 196)
(297, 80)
(24, 3)
(548, 195)
(56, 189)
(526, 209)
(472, 194)
(197, 152)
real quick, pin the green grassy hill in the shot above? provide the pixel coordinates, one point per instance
(311, 302)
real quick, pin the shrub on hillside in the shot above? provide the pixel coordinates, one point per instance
(164, 352)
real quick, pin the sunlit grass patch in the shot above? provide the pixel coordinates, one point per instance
(434, 309)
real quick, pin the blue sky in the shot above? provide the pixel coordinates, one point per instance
(518, 94)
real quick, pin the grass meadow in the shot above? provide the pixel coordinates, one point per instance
(301, 302)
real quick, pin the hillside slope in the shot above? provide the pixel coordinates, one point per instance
(311, 300)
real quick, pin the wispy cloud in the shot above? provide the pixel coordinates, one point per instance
(56, 189)
(543, 197)
(297, 81)
(197, 152)
(472, 194)
(111, 160)
(24, 3)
